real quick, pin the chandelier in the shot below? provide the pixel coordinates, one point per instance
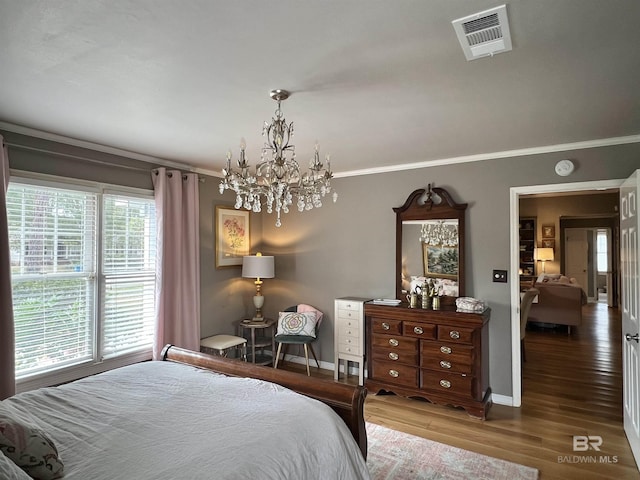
(277, 178)
(439, 233)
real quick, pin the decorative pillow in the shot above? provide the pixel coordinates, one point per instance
(297, 323)
(28, 446)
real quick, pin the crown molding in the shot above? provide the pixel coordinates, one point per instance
(563, 147)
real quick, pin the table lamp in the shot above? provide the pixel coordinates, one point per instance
(258, 266)
(544, 255)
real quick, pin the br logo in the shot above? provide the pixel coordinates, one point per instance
(582, 443)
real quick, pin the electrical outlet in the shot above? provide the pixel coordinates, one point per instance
(500, 276)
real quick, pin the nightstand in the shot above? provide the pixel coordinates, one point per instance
(259, 335)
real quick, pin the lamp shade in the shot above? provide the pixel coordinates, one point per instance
(544, 254)
(258, 266)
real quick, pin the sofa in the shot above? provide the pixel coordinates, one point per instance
(559, 303)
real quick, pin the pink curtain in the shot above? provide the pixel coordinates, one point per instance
(178, 260)
(7, 337)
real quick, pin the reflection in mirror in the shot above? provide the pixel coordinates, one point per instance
(430, 252)
(430, 243)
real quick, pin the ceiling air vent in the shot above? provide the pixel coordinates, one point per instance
(484, 34)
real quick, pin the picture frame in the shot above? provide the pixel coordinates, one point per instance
(548, 243)
(232, 233)
(440, 261)
(548, 231)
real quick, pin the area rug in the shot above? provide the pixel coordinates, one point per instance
(394, 455)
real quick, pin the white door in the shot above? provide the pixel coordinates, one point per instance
(576, 251)
(629, 197)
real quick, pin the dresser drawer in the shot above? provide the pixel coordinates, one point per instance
(419, 330)
(348, 305)
(460, 360)
(394, 343)
(349, 331)
(455, 334)
(347, 325)
(386, 326)
(344, 314)
(443, 382)
(407, 357)
(395, 373)
(352, 348)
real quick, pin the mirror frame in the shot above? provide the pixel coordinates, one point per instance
(415, 208)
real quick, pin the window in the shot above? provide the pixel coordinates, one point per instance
(602, 251)
(82, 272)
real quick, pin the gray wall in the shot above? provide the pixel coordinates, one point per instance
(348, 248)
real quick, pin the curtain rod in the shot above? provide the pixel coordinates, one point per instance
(85, 159)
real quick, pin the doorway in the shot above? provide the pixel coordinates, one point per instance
(515, 193)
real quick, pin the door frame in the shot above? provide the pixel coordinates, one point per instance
(514, 278)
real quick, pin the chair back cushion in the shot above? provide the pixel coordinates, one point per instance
(297, 323)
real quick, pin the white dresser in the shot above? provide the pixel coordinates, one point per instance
(349, 334)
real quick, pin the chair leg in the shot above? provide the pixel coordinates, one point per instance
(275, 363)
(314, 355)
(306, 356)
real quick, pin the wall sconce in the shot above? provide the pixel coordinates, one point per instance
(544, 255)
(258, 266)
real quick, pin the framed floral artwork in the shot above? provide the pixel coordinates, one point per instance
(232, 236)
(548, 231)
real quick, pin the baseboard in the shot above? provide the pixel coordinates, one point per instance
(502, 399)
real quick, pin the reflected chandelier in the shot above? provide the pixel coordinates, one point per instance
(277, 177)
(439, 233)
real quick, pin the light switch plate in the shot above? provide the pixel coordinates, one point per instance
(500, 276)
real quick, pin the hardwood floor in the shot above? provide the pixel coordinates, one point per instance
(572, 385)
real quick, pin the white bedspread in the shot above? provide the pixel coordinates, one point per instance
(161, 420)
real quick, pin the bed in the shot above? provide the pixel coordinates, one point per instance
(196, 416)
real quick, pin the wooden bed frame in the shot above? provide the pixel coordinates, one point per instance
(346, 400)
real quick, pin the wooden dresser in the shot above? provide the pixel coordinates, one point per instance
(440, 355)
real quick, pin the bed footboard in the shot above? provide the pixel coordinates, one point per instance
(346, 400)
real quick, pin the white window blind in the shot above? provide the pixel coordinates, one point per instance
(52, 243)
(129, 256)
(79, 296)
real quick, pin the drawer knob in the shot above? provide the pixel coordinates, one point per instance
(445, 364)
(418, 330)
(445, 383)
(454, 334)
(393, 342)
(393, 355)
(393, 373)
(445, 349)
(385, 325)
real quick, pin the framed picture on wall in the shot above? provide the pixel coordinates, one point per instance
(232, 236)
(548, 231)
(548, 243)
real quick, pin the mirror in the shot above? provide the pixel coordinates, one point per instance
(430, 243)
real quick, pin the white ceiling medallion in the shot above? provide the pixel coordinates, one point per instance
(484, 33)
(564, 168)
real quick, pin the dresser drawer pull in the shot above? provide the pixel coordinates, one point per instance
(418, 330)
(454, 334)
(445, 364)
(393, 355)
(393, 342)
(394, 373)
(446, 350)
(385, 325)
(445, 383)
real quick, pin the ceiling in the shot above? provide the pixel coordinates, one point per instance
(381, 84)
